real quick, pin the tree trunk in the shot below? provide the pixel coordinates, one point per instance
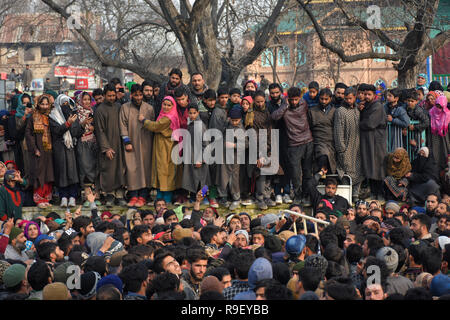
(407, 77)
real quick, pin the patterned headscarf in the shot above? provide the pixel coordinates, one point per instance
(398, 169)
(40, 121)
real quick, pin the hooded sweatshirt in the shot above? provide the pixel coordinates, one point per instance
(261, 269)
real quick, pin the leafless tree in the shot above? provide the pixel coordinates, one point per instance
(207, 33)
(408, 54)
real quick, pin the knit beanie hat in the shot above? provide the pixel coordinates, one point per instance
(88, 283)
(60, 274)
(116, 258)
(319, 262)
(419, 209)
(55, 291)
(295, 244)
(3, 266)
(389, 256)
(298, 266)
(273, 244)
(392, 205)
(211, 283)
(13, 275)
(285, 235)
(235, 113)
(181, 233)
(245, 233)
(440, 285)
(423, 280)
(14, 233)
(111, 279)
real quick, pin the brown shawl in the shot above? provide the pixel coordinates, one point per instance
(41, 125)
(398, 169)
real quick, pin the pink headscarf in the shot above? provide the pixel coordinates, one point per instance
(27, 226)
(440, 118)
(172, 115)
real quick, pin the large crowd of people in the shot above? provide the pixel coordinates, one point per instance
(113, 146)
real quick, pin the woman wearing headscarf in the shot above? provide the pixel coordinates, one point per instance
(166, 175)
(23, 113)
(31, 231)
(398, 166)
(39, 146)
(439, 141)
(87, 149)
(423, 177)
(66, 129)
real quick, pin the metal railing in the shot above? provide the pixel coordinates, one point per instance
(395, 139)
(305, 217)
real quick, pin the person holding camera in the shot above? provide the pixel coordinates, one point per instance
(10, 195)
(65, 130)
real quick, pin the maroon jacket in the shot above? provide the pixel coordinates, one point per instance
(296, 121)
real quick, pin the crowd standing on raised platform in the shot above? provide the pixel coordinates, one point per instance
(113, 146)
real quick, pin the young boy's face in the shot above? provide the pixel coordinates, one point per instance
(411, 103)
(236, 98)
(324, 99)
(210, 103)
(183, 101)
(235, 122)
(223, 99)
(313, 93)
(420, 94)
(193, 114)
(350, 99)
(245, 105)
(390, 98)
(360, 95)
(293, 101)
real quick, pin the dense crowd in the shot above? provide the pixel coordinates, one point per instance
(116, 144)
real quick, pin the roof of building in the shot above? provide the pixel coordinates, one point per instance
(39, 28)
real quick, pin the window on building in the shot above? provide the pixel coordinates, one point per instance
(380, 48)
(283, 56)
(394, 83)
(28, 55)
(267, 58)
(301, 54)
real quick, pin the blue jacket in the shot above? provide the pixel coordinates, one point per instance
(309, 101)
(399, 115)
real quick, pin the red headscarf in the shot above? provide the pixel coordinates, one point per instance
(173, 117)
(440, 118)
(10, 161)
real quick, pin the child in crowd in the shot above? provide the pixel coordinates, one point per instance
(311, 97)
(398, 119)
(195, 170)
(228, 172)
(416, 113)
(207, 105)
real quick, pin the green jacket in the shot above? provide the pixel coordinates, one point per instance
(11, 202)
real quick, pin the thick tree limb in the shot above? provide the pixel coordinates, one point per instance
(339, 51)
(104, 59)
